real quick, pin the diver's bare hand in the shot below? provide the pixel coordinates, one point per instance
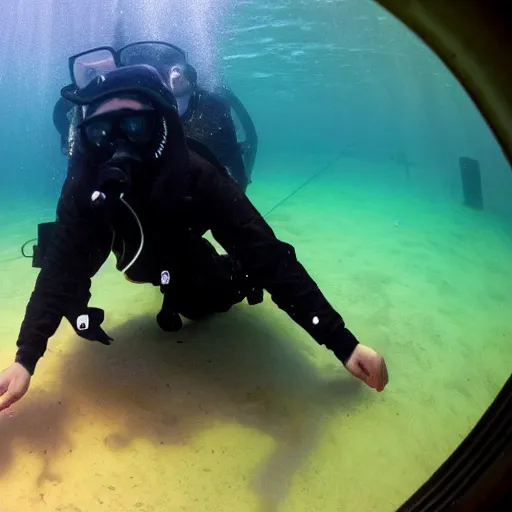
(368, 366)
(14, 383)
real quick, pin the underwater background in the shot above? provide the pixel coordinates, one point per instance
(244, 411)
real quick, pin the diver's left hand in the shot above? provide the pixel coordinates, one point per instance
(368, 366)
(14, 383)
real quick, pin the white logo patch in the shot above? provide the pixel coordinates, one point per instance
(165, 278)
(82, 322)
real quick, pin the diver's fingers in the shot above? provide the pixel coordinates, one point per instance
(368, 366)
(384, 377)
(14, 383)
(6, 400)
(4, 383)
(378, 375)
(359, 371)
(371, 375)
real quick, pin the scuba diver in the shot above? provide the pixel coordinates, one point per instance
(206, 116)
(136, 188)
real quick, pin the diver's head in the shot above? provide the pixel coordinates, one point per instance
(130, 127)
(120, 136)
(182, 79)
(125, 125)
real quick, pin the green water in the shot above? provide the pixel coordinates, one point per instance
(245, 412)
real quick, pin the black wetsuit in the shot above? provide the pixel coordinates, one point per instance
(208, 120)
(174, 218)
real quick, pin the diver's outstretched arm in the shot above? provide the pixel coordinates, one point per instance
(272, 264)
(79, 246)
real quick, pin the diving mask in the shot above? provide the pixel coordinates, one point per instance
(140, 129)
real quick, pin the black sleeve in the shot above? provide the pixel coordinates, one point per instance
(60, 116)
(225, 144)
(271, 263)
(79, 246)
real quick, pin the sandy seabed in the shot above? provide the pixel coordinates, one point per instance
(244, 412)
